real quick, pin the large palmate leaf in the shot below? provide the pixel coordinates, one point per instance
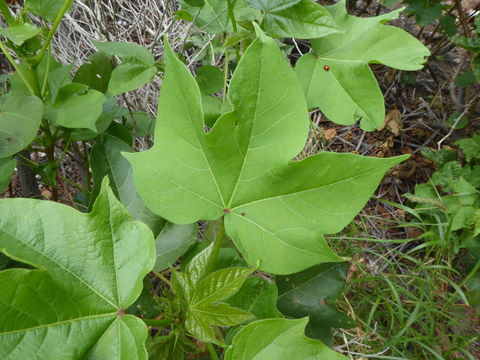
(302, 19)
(313, 293)
(90, 268)
(278, 339)
(275, 210)
(20, 117)
(201, 296)
(338, 80)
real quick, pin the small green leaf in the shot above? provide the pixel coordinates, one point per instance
(137, 69)
(95, 72)
(235, 38)
(212, 109)
(448, 25)
(18, 34)
(20, 117)
(7, 166)
(59, 77)
(426, 11)
(258, 297)
(470, 44)
(369, 40)
(204, 309)
(213, 15)
(302, 19)
(346, 92)
(106, 160)
(75, 107)
(201, 296)
(126, 51)
(183, 15)
(272, 5)
(48, 9)
(195, 3)
(278, 339)
(454, 121)
(227, 258)
(109, 112)
(138, 122)
(338, 79)
(209, 79)
(91, 268)
(128, 77)
(172, 242)
(466, 79)
(470, 147)
(439, 157)
(473, 293)
(313, 293)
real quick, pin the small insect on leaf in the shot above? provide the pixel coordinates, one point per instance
(326, 68)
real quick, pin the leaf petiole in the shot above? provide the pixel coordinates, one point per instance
(6, 12)
(231, 5)
(216, 248)
(157, 322)
(212, 351)
(17, 68)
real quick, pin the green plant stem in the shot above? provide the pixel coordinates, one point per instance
(225, 76)
(212, 351)
(163, 278)
(45, 78)
(471, 273)
(17, 68)
(66, 5)
(6, 13)
(216, 248)
(157, 322)
(88, 177)
(231, 5)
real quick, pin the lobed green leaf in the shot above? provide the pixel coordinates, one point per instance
(275, 210)
(91, 268)
(278, 339)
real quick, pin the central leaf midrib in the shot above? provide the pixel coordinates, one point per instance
(206, 300)
(200, 135)
(110, 228)
(251, 130)
(303, 191)
(161, 174)
(275, 236)
(58, 323)
(96, 292)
